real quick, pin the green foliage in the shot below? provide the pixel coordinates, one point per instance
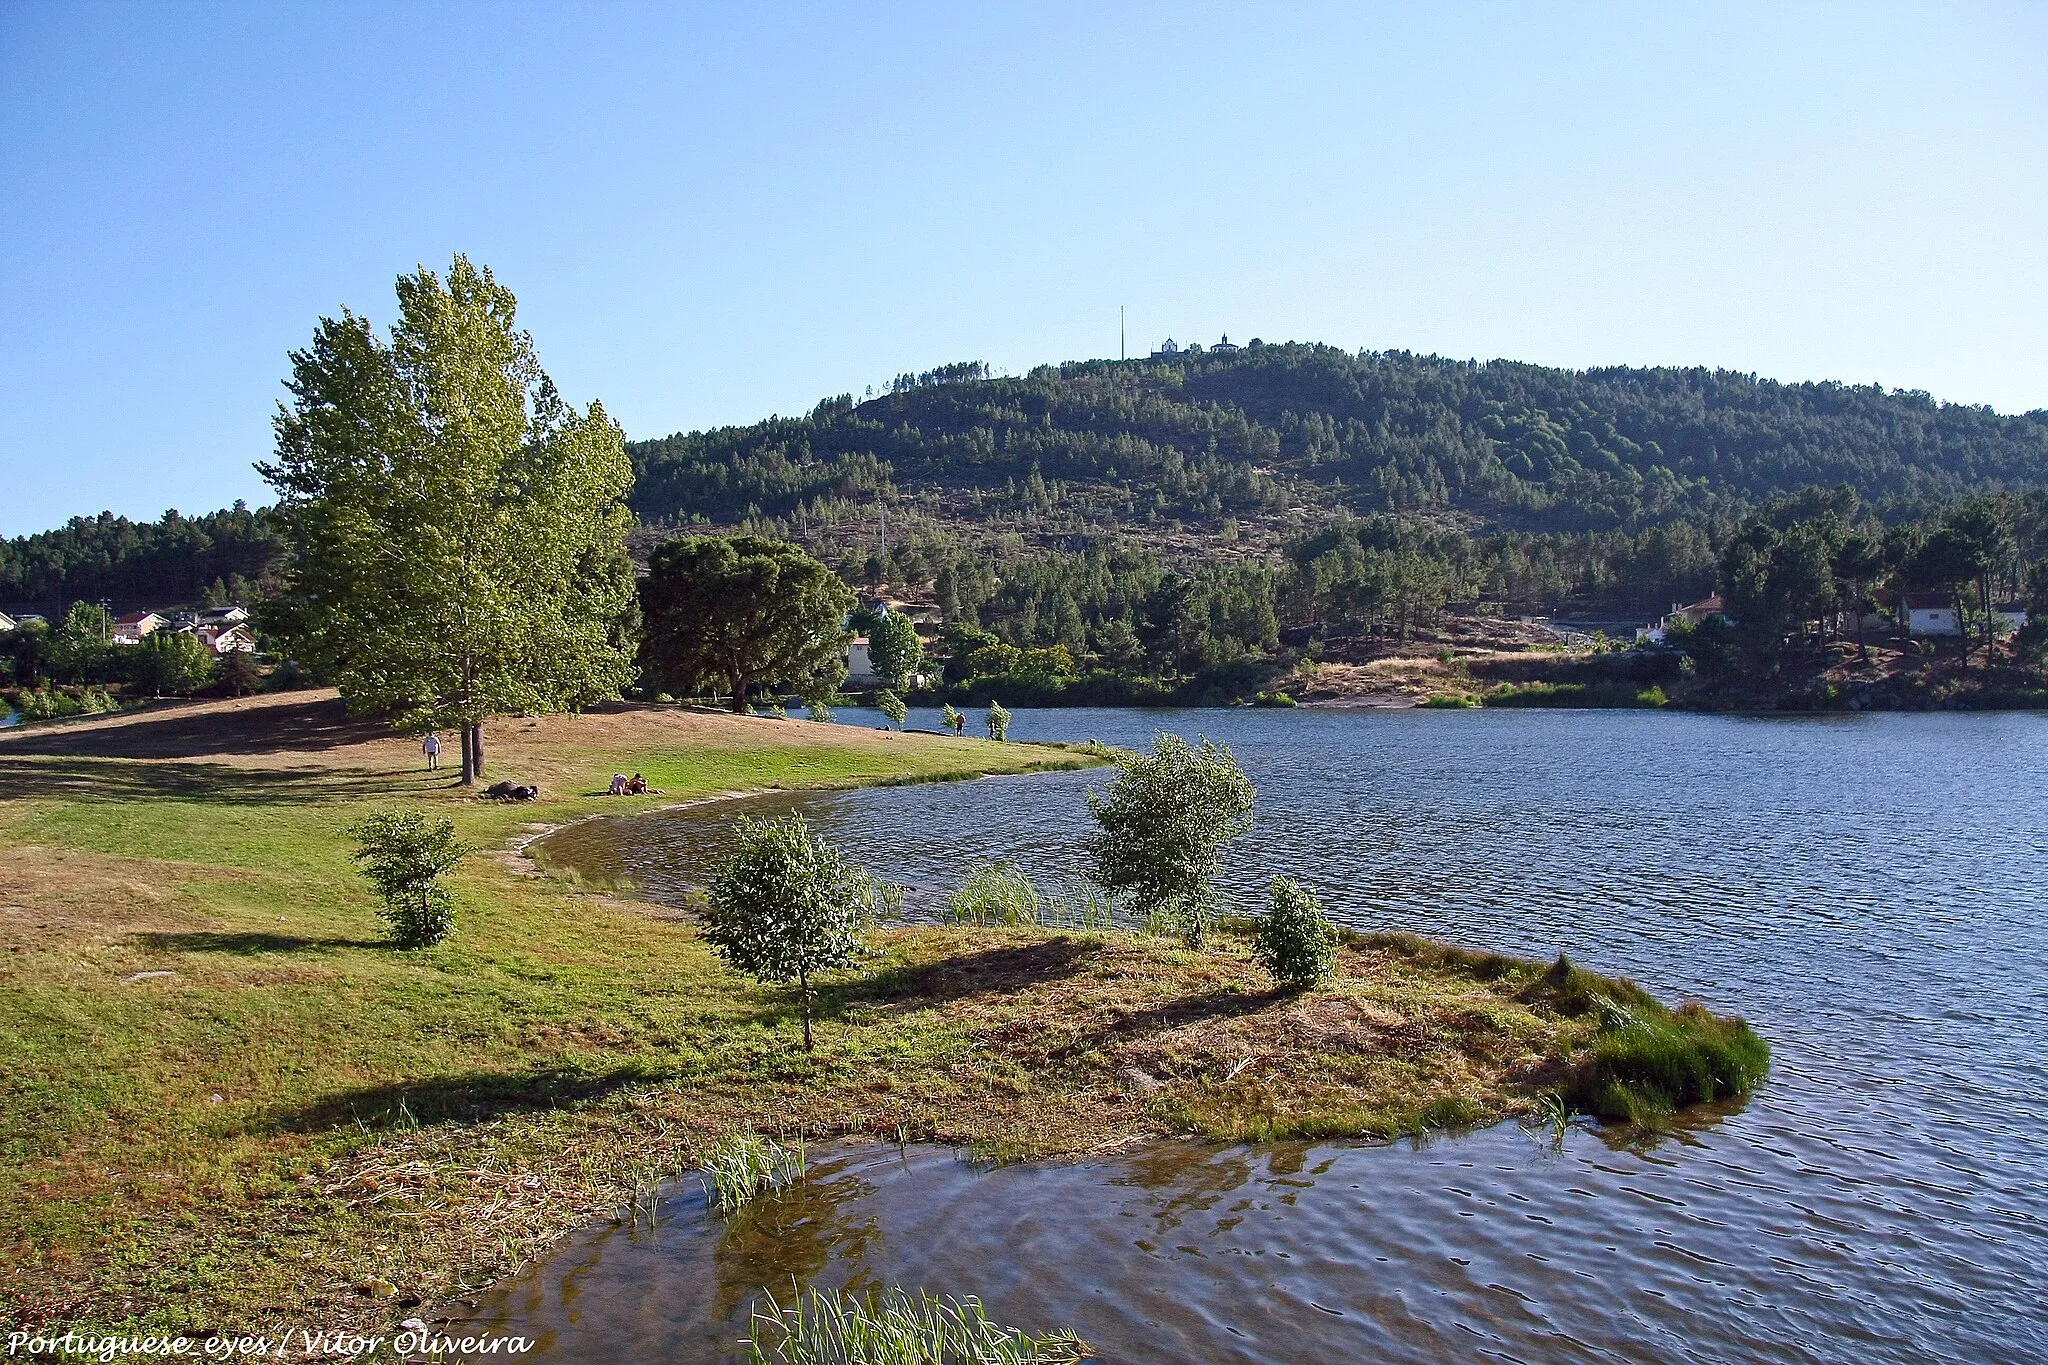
(893, 707)
(742, 612)
(1618, 693)
(890, 1327)
(998, 719)
(458, 530)
(949, 718)
(895, 649)
(1163, 825)
(995, 893)
(169, 560)
(787, 906)
(404, 856)
(742, 1166)
(1649, 1061)
(1294, 940)
(816, 708)
(27, 650)
(80, 648)
(1124, 447)
(239, 675)
(171, 663)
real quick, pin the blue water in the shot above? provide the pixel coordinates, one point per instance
(1866, 889)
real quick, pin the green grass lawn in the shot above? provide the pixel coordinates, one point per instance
(226, 1102)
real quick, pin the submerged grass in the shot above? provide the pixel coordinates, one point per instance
(895, 1328)
(743, 1166)
(1002, 894)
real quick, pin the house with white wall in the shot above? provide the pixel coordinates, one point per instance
(1929, 613)
(130, 629)
(860, 668)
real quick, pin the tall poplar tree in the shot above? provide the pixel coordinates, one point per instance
(458, 531)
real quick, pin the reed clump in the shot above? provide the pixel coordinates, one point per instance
(1002, 894)
(1645, 1063)
(895, 1328)
(746, 1165)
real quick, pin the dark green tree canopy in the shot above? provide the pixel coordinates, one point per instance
(742, 612)
(457, 530)
(895, 649)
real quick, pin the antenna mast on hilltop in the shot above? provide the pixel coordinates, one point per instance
(1121, 352)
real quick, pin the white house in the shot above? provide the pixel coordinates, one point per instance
(228, 639)
(223, 616)
(860, 669)
(1690, 616)
(6, 622)
(1929, 613)
(2010, 616)
(130, 629)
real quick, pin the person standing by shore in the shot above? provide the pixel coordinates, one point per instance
(432, 749)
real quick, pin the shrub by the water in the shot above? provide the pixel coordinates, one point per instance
(1163, 825)
(787, 906)
(1293, 940)
(893, 1328)
(405, 856)
(893, 707)
(998, 721)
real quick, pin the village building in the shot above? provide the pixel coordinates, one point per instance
(1690, 617)
(130, 629)
(7, 622)
(860, 668)
(229, 638)
(1929, 613)
(2011, 616)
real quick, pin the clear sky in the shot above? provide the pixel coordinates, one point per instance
(714, 213)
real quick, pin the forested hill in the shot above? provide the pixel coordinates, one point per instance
(1269, 434)
(226, 555)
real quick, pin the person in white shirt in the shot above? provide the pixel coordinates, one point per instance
(432, 749)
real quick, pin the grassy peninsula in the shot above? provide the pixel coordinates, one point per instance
(228, 1102)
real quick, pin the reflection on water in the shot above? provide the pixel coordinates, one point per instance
(1866, 889)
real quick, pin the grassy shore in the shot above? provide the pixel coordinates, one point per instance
(228, 1104)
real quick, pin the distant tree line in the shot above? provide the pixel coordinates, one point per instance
(230, 555)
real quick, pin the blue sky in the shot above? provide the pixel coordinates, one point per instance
(712, 214)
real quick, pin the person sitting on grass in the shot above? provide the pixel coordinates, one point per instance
(637, 787)
(619, 785)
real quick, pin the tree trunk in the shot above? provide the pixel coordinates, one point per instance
(476, 746)
(739, 693)
(1990, 624)
(804, 988)
(468, 758)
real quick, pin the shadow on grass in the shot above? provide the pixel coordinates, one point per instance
(247, 944)
(315, 723)
(1194, 1009)
(73, 778)
(992, 971)
(474, 1098)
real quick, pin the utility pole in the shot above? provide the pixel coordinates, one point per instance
(1122, 351)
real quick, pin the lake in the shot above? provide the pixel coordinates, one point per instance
(1865, 889)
